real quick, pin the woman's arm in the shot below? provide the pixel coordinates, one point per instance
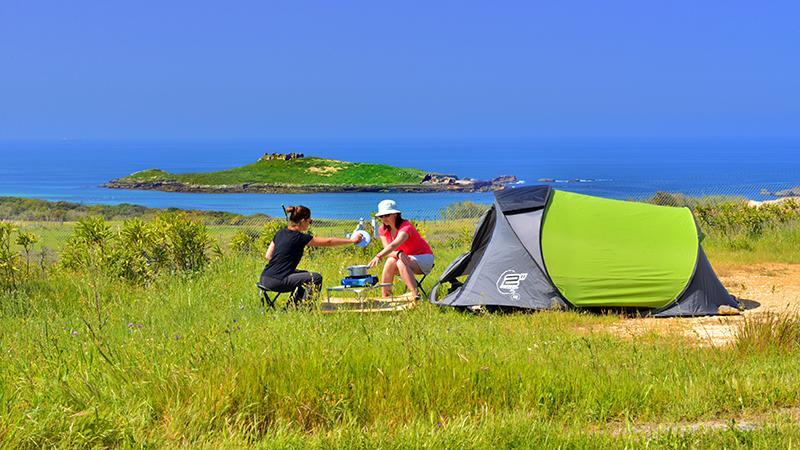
(270, 250)
(388, 247)
(334, 242)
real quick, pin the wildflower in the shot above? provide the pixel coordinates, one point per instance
(74, 333)
(177, 337)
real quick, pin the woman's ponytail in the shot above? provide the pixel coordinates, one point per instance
(296, 214)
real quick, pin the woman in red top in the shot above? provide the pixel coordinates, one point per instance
(405, 250)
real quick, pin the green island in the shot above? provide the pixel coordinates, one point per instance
(294, 172)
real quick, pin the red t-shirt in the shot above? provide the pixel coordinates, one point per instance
(414, 245)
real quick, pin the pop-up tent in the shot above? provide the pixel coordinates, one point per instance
(540, 248)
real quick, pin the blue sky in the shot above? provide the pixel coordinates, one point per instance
(347, 69)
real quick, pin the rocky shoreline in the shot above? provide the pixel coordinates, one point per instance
(793, 192)
(430, 184)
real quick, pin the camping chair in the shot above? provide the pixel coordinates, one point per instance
(266, 299)
(422, 280)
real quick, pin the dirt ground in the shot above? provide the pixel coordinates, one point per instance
(764, 289)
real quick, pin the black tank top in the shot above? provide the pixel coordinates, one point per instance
(289, 246)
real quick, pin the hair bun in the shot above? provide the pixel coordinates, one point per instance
(297, 213)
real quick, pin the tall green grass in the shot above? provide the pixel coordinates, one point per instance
(189, 358)
(194, 360)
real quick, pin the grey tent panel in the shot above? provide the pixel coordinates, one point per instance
(506, 276)
(528, 227)
(704, 295)
(518, 200)
(504, 266)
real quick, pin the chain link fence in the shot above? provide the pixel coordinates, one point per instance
(734, 212)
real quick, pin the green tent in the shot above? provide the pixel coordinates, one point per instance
(541, 248)
(601, 252)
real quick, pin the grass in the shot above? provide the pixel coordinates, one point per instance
(303, 171)
(192, 360)
(779, 244)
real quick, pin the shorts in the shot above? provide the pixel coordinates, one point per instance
(425, 262)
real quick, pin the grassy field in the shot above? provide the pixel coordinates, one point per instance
(303, 171)
(191, 359)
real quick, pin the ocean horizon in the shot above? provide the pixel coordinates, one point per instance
(74, 170)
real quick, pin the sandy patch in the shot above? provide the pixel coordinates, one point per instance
(764, 288)
(325, 171)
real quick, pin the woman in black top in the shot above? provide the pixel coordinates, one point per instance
(286, 250)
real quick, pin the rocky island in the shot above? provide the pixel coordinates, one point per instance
(297, 173)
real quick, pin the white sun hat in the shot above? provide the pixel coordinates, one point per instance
(387, 207)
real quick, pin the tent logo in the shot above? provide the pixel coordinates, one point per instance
(508, 283)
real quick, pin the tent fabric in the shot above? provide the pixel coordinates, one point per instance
(505, 276)
(519, 200)
(527, 227)
(538, 248)
(602, 252)
(704, 295)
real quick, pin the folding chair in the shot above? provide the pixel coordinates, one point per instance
(422, 280)
(266, 300)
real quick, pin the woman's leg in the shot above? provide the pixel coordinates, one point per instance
(389, 271)
(407, 268)
(304, 285)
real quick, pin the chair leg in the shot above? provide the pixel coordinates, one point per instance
(267, 301)
(419, 285)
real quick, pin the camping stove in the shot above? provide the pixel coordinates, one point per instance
(360, 281)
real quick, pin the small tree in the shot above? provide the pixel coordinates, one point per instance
(26, 240)
(9, 259)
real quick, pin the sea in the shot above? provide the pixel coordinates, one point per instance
(74, 170)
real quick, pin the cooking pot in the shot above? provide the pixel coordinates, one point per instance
(357, 271)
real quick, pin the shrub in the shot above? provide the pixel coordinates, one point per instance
(678, 199)
(246, 242)
(88, 245)
(734, 221)
(186, 241)
(27, 240)
(421, 229)
(269, 231)
(138, 255)
(139, 250)
(464, 210)
(9, 259)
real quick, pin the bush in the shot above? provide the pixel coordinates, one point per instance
(88, 246)
(186, 241)
(268, 233)
(139, 250)
(734, 220)
(682, 200)
(9, 259)
(464, 210)
(246, 242)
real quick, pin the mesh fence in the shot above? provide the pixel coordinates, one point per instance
(732, 212)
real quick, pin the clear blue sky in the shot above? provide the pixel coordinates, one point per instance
(327, 69)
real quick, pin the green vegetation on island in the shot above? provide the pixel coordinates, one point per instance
(294, 172)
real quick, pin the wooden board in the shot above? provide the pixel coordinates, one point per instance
(345, 304)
